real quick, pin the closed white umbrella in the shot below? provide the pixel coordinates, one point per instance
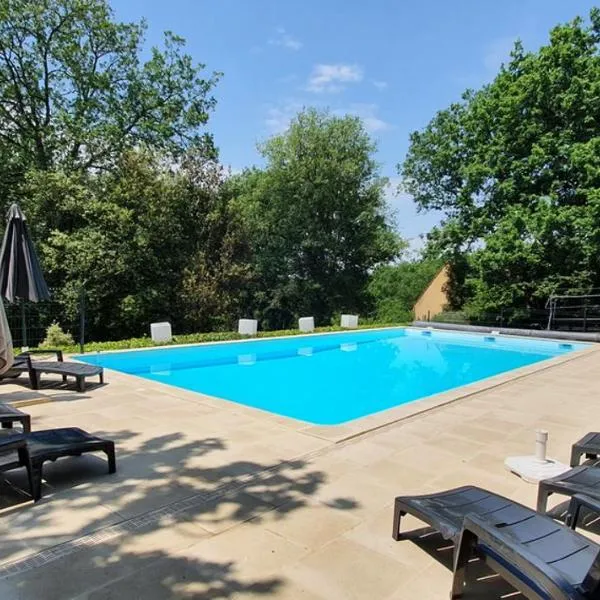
(6, 347)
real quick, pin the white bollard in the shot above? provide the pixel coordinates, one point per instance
(161, 332)
(349, 321)
(247, 326)
(541, 442)
(306, 323)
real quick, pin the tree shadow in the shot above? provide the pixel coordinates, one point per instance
(168, 496)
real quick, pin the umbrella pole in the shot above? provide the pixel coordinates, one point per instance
(23, 325)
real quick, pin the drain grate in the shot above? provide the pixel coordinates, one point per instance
(134, 524)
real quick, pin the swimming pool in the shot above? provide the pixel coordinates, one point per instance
(334, 378)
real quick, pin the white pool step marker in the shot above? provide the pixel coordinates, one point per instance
(246, 359)
(537, 467)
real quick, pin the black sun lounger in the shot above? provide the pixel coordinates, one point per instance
(34, 368)
(538, 556)
(580, 480)
(9, 415)
(50, 444)
(588, 445)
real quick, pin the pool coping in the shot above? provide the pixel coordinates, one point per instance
(357, 427)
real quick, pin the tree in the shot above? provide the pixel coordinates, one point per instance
(515, 168)
(317, 219)
(396, 288)
(75, 93)
(146, 242)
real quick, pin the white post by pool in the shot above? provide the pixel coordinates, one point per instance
(306, 323)
(161, 332)
(247, 326)
(541, 442)
(349, 321)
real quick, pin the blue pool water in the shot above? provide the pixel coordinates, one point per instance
(334, 378)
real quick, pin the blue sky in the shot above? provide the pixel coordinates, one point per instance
(392, 62)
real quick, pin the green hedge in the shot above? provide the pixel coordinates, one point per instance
(196, 338)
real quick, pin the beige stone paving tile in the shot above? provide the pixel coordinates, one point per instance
(222, 514)
(331, 465)
(501, 483)
(253, 549)
(291, 444)
(459, 445)
(492, 463)
(364, 452)
(375, 532)
(135, 497)
(396, 438)
(311, 525)
(477, 434)
(426, 457)
(284, 590)
(345, 569)
(360, 492)
(170, 533)
(392, 471)
(84, 571)
(52, 521)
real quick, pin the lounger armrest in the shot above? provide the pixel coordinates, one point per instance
(578, 501)
(59, 353)
(504, 550)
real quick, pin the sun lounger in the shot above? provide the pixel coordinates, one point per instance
(50, 444)
(588, 445)
(538, 556)
(10, 415)
(580, 480)
(24, 364)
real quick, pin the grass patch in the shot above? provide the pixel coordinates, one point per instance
(198, 338)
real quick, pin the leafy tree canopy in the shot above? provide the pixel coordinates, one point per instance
(316, 216)
(74, 91)
(515, 167)
(395, 288)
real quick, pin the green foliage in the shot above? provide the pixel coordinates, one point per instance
(74, 91)
(316, 219)
(515, 168)
(146, 243)
(57, 338)
(396, 288)
(108, 155)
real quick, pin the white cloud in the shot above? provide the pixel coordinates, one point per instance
(285, 40)
(279, 117)
(368, 115)
(332, 78)
(498, 52)
(380, 85)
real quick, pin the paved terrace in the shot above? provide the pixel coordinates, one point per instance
(214, 500)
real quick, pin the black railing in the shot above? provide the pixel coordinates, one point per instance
(29, 321)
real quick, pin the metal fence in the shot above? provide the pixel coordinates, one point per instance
(575, 317)
(29, 322)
